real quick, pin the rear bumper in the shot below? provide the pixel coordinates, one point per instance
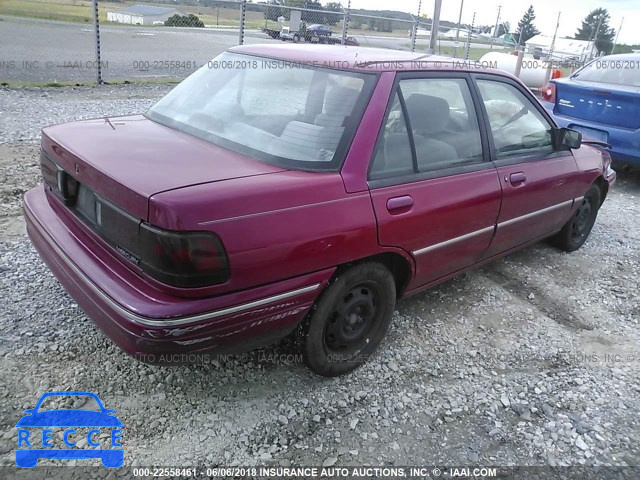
(625, 143)
(148, 323)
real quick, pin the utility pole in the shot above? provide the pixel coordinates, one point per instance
(547, 75)
(553, 40)
(455, 48)
(595, 36)
(495, 31)
(616, 39)
(435, 25)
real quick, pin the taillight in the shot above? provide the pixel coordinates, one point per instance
(556, 73)
(549, 92)
(182, 259)
(185, 259)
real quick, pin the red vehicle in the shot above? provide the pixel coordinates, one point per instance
(274, 194)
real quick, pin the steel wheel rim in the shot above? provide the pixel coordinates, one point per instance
(582, 219)
(352, 320)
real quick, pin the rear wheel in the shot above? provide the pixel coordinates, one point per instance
(349, 320)
(296, 38)
(576, 231)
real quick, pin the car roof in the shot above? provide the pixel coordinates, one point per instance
(346, 57)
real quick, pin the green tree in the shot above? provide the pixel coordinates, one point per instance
(589, 27)
(526, 29)
(385, 26)
(503, 28)
(190, 20)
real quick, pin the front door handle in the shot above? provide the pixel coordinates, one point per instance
(399, 204)
(517, 178)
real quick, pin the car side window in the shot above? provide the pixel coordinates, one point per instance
(444, 129)
(393, 155)
(518, 128)
(443, 122)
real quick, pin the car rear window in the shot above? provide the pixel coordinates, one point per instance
(291, 115)
(611, 70)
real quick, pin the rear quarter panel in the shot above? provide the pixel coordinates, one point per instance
(274, 226)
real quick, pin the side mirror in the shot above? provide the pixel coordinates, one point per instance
(566, 138)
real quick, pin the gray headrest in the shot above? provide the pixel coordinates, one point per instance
(428, 114)
(340, 101)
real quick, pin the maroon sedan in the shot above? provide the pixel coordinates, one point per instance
(302, 188)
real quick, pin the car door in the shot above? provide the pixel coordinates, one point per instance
(434, 190)
(539, 182)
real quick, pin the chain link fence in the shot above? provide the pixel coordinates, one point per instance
(47, 41)
(160, 41)
(84, 41)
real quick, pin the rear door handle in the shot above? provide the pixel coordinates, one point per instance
(517, 178)
(399, 204)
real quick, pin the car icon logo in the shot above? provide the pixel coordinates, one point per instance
(32, 447)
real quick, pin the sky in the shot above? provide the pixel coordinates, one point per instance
(572, 13)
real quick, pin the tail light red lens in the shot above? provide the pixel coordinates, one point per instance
(556, 73)
(182, 259)
(549, 92)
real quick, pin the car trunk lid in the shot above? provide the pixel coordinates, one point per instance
(615, 105)
(126, 160)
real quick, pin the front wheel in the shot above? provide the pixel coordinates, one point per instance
(349, 320)
(576, 231)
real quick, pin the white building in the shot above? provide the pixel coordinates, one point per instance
(564, 48)
(141, 15)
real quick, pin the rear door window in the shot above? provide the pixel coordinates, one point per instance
(431, 125)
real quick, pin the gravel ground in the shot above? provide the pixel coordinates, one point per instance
(532, 360)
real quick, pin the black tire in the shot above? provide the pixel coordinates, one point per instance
(349, 320)
(296, 38)
(576, 231)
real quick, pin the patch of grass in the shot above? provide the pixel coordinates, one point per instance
(80, 11)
